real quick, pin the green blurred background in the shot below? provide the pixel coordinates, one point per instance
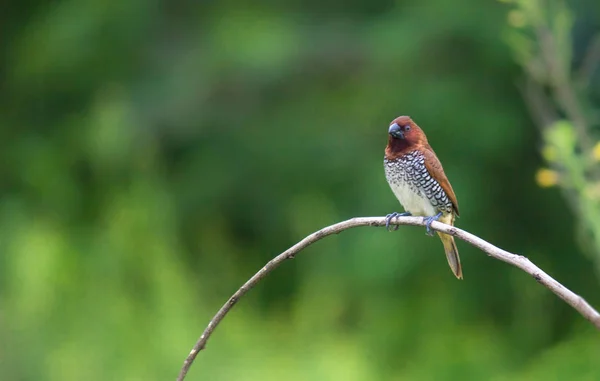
(155, 154)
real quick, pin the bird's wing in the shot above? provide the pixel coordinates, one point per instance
(434, 167)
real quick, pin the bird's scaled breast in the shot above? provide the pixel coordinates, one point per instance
(408, 179)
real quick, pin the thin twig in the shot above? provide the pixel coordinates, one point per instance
(559, 78)
(576, 301)
(540, 108)
(590, 62)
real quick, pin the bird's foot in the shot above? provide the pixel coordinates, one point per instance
(389, 217)
(429, 220)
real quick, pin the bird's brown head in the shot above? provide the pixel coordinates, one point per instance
(404, 135)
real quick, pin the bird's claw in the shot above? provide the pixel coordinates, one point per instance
(429, 220)
(389, 217)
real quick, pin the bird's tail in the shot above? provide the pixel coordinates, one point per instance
(451, 254)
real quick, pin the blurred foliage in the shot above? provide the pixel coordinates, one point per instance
(562, 91)
(156, 154)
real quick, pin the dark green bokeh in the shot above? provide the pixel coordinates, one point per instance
(154, 155)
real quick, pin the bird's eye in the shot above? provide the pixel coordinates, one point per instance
(407, 128)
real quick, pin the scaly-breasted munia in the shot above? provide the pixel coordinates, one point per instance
(418, 180)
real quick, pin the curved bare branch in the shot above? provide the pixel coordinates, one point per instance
(574, 300)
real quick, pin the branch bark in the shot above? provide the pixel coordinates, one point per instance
(519, 261)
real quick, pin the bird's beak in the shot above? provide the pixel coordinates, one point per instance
(395, 131)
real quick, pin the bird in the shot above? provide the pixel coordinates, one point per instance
(417, 179)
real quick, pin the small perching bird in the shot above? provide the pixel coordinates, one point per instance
(417, 178)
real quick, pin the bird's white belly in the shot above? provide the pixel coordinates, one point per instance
(411, 201)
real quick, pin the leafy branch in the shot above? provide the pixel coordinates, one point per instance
(558, 97)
